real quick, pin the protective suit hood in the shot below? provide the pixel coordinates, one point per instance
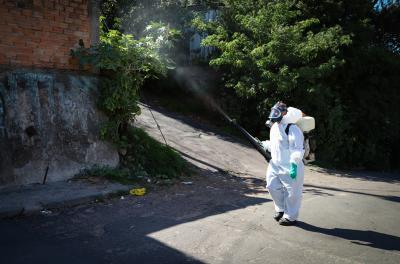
(292, 116)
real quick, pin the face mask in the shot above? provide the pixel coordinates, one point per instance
(277, 111)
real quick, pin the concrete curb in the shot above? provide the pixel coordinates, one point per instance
(33, 199)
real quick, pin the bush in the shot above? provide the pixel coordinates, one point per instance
(149, 158)
(144, 160)
(125, 63)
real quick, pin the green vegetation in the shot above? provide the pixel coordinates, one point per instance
(133, 17)
(124, 64)
(329, 58)
(148, 157)
(336, 60)
(114, 174)
(144, 160)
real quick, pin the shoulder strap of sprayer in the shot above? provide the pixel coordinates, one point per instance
(287, 129)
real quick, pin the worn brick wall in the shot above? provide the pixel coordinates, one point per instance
(41, 33)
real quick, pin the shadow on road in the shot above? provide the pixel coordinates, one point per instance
(315, 191)
(362, 175)
(200, 161)
(359, 237)
(119, 231)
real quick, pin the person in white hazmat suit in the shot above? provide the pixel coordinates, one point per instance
(285, 174)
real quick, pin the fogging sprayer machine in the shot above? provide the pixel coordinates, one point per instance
(306, 124)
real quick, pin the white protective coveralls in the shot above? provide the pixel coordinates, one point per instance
(285, 149)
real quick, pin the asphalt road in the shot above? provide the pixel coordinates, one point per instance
(223, 215)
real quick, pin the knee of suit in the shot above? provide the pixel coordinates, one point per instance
(273, 187)
(294, 193)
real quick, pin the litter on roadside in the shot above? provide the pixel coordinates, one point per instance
(46, 212)
(187, 182)
(138, 191)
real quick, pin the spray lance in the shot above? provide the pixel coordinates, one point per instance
(190, 81)
(254, 141)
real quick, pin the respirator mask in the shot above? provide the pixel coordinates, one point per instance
(276, 114)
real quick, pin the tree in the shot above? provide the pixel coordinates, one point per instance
(325, 57)
(125, 63)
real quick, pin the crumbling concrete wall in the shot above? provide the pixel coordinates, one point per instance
(49, 119)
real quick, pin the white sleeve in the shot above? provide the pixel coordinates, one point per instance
(266, 145)
(296, 144)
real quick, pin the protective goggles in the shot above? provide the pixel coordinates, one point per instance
(276, 113)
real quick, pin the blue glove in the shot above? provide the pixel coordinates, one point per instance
(293, 170)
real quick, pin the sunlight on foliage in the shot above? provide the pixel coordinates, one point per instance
(335, 60)
(125, 63)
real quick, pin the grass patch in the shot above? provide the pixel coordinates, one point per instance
(147, 157)
(122, 175)
(143, 160)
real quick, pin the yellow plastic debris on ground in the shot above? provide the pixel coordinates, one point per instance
(138, 191)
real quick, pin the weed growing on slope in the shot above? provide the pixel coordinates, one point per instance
(143, 160)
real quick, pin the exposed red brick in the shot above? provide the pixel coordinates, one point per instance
(38, 3)
(3, 58)
(19, 42)
(5, 30)
(24, 57)
(73, 4)
(37, 14)
(25, 50)
(64, 2)
(62, 25)
(10, 4)
(27, 12)
(57, 30)
(32, 44)
(74, 16)
(68, 20)
(43, 34)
